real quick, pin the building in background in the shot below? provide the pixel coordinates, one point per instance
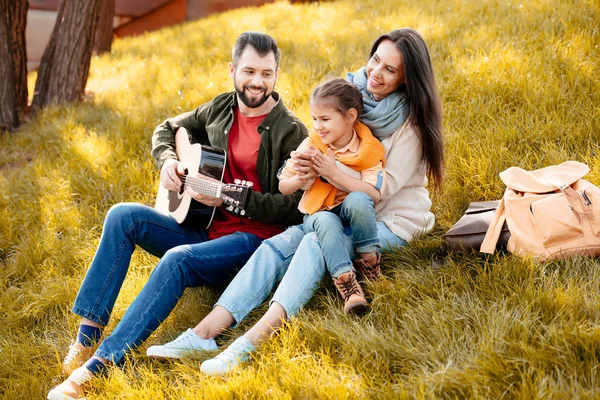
(132, 17)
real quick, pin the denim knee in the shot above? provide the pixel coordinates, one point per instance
(121, 215)
(174, 259)
(358, 200)
(319, 221)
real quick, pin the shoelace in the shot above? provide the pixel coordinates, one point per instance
(180, 339)
(233, 352)
(81, 375)
(371, 272)
(73, 352)
(349, 287)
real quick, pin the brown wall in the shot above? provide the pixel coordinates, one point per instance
(202, 8)
(171, 13)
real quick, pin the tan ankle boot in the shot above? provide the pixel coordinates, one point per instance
(370, 268)
(354, 298)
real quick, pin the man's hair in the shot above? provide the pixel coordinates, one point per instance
(261, 42)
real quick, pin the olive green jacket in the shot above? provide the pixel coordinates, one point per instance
(281, 132)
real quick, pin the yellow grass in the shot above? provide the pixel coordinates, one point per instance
(520, 87)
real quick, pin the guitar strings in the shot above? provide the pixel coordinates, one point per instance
(199, 183)
(207, 187)
(213, 186)
(201, 186)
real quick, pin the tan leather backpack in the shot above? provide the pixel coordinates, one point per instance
(551, 213)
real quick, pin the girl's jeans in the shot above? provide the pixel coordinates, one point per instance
(295, 260)
(358, 211)
(189, 259)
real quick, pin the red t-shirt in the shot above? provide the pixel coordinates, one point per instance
(242, 154)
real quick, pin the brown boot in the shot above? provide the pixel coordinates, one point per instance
(370, 268)
(354, 298)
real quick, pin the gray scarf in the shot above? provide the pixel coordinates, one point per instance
(382, 117)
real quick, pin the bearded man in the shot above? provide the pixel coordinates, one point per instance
(257, 133)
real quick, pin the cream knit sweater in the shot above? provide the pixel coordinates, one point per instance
(405, 205)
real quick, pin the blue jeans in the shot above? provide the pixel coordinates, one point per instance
(189, 259)
(296, 262)
(358, 211)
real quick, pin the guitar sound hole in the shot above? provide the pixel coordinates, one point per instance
(181, 188)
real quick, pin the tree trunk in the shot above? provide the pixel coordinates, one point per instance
(13, 63)
(104, 27)
(9, 118)
(64, 67)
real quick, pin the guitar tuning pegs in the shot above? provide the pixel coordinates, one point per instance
(230, 208)
(249, 184)
(243, 182)
(242, 212)
(237, 181)
(237, 210)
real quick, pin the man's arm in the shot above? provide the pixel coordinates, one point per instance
(163, 139)
(276, 208)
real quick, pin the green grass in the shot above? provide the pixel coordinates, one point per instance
(520, 87)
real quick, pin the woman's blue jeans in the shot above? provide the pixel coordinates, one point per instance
(296, 262)
(189, 259)
(357, 211)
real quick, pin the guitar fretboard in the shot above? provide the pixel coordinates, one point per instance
(202, 186)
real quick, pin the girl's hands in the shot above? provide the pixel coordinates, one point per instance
(303, 164)
(324, 165)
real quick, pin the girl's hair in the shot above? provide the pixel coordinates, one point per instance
(420, 90)
(339, 94)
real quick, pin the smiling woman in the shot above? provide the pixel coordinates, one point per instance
(385, 70)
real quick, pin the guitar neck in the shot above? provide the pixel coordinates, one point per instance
(234, 195)
(204, 187)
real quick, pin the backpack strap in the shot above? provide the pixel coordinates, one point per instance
(495, 229)
(578, 203)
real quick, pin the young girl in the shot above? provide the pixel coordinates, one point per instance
(339, 198)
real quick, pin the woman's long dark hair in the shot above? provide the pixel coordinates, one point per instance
(425, 104)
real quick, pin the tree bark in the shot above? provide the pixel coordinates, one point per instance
(13, 63)
(9, 118)
(104, 27)
(65, 64)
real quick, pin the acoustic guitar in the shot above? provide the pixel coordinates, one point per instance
(201, 163)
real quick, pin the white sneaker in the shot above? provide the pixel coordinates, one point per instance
(238, 352)
(186, 344)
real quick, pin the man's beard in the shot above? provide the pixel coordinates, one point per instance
(252, 103)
